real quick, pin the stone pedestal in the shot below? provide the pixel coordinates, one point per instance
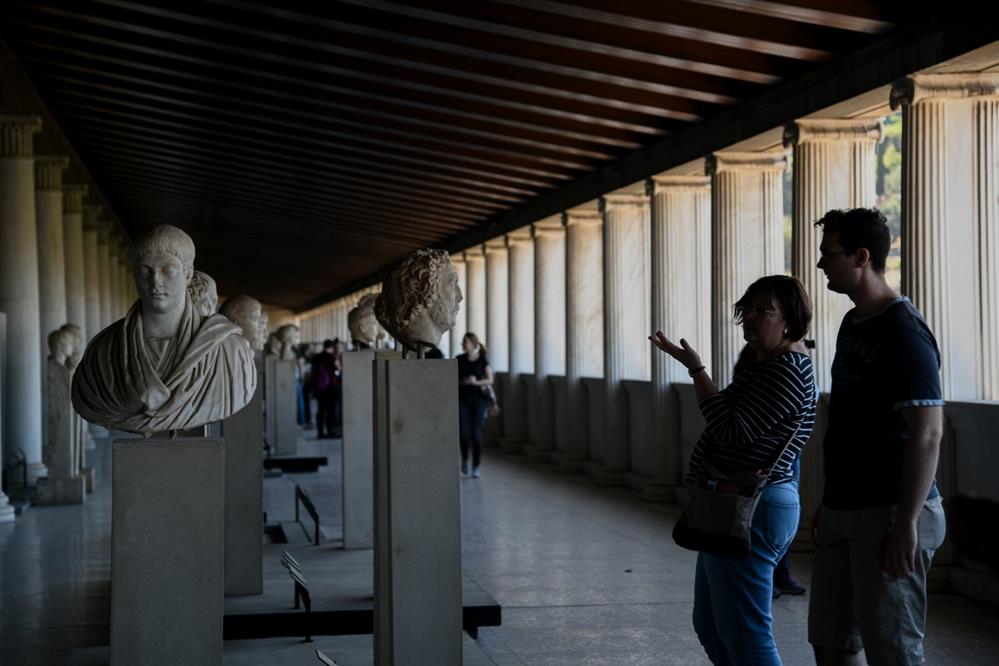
(282, 419)
(584, 330)
(521, 336)
(747, 219)
(63, 485)
(358, 446)
(19, 296)
(475, 296)
(626, 313)
(417, 606)
(834, 167)
(244, 502)
(167, 513)
(681, 301)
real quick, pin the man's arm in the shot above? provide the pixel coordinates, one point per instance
(920, 467)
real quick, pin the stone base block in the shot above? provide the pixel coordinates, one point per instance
(603, 476)
(6, 510)
(61, 491)
(537, 454)
(89, 476)
(167, 504)
(510, 446)
(565, 465)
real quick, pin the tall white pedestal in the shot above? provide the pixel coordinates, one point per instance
(358, 446)
(244, 503)
(167, 507)
(281, 397)
(417, 514)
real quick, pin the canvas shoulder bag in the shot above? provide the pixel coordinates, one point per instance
(719, 513)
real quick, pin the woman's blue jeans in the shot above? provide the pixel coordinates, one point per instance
(732, 597)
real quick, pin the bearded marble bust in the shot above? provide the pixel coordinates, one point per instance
(363, 324)
(165, 366)
(248, 314)
(420, 299)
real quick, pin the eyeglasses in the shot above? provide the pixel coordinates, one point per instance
(759, 312)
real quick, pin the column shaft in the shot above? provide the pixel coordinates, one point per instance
(497, 306)
(626, 320)
(521, 336)
(461, 319)
(549, 330)
(986, 167)
(51, 247)
(103, 277)
(19, 297)
(76, 299)
(584, 331)
(475, 295)
(747, 241)
(91, 276)
(834, 167)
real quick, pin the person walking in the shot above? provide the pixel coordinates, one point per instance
(881, 519)
(760, 421)
(322, 383)
(475, 377)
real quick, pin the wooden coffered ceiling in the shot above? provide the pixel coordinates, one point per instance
(307, 145)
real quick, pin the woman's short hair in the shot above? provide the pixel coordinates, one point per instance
(789, 295)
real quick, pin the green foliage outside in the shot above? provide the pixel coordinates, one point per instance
(889, 191)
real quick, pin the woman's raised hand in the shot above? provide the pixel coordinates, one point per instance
(683, 353)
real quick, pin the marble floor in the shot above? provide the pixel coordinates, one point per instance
(585, 575)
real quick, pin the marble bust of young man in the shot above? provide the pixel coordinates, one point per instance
(247, 313)
(364, 327)
(164, 366)
(420, 299)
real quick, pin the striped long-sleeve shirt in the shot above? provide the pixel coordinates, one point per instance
(750, 421)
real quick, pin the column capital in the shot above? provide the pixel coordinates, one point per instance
(48, 171)
(833, 129)
(474, 253)
(918, 87)
(610, 201)
(91, 216)
(657, 184)
(739, 161)
(522, 235)
(456, 258)
(17, 135)
(495, 245)
(550, 227)
(72, 197)
(582, 217)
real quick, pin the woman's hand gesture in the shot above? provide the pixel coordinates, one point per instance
(684, 353)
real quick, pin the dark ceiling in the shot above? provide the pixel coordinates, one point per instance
(307, 145)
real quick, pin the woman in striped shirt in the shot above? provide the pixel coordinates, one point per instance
(748, 424)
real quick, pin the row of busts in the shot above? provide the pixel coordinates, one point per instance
(173, 363)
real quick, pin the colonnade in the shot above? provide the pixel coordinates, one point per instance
(60, 262)
(576, 295)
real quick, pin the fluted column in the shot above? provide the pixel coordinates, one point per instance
(72, 216)
(681, 307)
(747, 240)
(834, 167)
(51, 247)
(584, 330)
(949, 207)
(126, 275)
(461, 319)
(113, 287)
(549, 331)
(103, 277)
(475, 295)
(497, 304)
(626, 321)
(520, 246)
(19, 296)
(91, 275)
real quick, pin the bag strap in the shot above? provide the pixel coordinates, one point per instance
(784, 450)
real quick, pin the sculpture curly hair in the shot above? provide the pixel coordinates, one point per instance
(410, 289)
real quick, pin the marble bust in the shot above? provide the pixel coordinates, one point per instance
(248, 314)
(364, 327)
(288, 337)
(420, 299)
(164, 366)
(79, 342)
(204, 294)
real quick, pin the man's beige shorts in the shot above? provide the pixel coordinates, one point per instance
(855, 605)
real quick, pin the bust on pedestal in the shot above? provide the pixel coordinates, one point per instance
(365, 330)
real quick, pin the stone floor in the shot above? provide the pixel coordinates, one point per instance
(585, 575)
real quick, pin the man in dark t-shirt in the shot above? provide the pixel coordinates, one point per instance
(881, 518)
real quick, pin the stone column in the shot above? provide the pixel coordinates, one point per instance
(51, 252)
(834, 167)
(626, 321)
(521, 336)
(584, 330)
(19, 297)
(114, 287)
(949, 214)
(497, 304)
(91, 278)
(747, 239)
(103, 273)
(72, 215)
(126, 275)
(6, 510)
(475, 296)
(461, 320)
(681, 308)
(549, 330)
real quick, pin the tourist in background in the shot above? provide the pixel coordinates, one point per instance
(475, 377)
(322, 380)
